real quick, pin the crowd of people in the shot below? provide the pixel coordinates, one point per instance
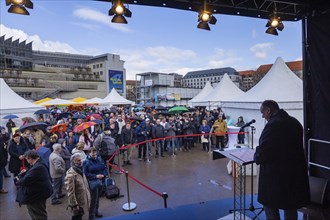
(79, 158)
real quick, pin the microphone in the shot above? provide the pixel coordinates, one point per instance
(248, 124)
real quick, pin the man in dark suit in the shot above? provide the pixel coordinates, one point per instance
(283, 179)
(34, 186)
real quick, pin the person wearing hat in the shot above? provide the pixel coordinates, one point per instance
(16, 150)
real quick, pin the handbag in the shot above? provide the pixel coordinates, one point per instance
(204, 140)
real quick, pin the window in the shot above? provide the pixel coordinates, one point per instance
(101, 73)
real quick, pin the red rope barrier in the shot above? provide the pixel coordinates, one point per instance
(153, 140)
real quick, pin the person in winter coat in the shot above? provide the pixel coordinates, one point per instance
(170, 129)
(77, 188)
(65, 153)
(204, 128)
(128, 137)
(87, 138)
(17, 147)
(34, 186)
(141, 136)
(10, 125)
(178, 131)
(283, 177)
(240, 136)
(70, 140)
(3, 163)
(95, 170)
(220, 129)
(188, 129)
(105, 145)
(56, 170)
(158, 132)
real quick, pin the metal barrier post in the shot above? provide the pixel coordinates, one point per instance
(129, 205)
(165, 196)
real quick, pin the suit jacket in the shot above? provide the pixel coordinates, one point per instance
(35, 185)
(283, 179)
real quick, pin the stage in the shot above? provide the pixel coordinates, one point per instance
(216, 209)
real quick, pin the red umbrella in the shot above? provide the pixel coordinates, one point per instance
(96, 116)
(56, 128)
(84, 126)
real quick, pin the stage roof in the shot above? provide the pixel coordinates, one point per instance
(287, 10)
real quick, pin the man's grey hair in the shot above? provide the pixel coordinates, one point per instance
(57, 147)
(73, 157)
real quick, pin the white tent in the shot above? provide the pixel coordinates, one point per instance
(11, 103)
(58, 101)
(199, 99)
(226, 90)
(279, 84)
(115, 99)
(94, 100)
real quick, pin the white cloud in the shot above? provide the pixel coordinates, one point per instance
(97, 16)
(38, 44)
(91, 27)
(156, 59)
(170, 53)
(223, 58)
(262, 50)
(298, 59)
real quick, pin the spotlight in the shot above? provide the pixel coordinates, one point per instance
(274, 23)
(204, 18)
(120, 12)
(18, 6)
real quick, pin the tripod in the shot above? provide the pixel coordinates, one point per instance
(252, 208)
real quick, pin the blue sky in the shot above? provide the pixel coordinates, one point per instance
(155, 39)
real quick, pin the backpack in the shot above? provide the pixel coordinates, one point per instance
(111, 190)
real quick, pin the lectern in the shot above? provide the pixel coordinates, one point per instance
(241, 158)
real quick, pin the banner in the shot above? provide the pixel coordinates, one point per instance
(160, 97)
(116, 80)
(170, 96)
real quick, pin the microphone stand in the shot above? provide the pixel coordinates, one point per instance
(252, 208)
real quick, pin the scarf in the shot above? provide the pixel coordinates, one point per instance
(77, 169)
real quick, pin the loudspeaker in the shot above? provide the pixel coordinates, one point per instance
(318, 188)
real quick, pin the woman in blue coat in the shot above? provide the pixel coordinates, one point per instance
(95, 171)
(204, 129)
